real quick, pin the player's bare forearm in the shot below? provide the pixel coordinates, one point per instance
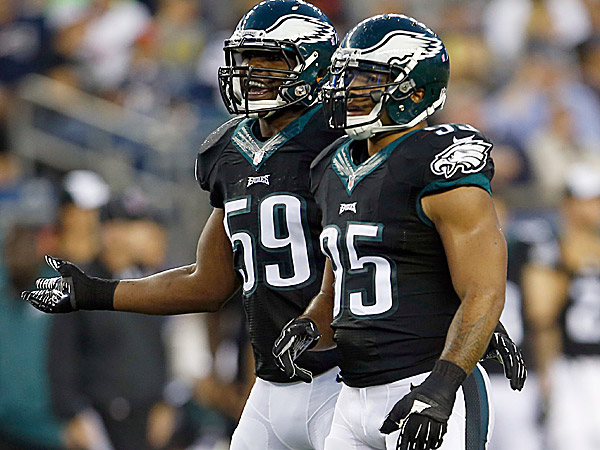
(174, 291)
(320, 310)
(470, 331)
(477, 257)
(201, 287)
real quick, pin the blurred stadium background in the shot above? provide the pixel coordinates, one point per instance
(103, 105)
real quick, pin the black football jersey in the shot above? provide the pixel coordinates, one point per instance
(394, 298)
(581, 314)
(579, 318)
(273, 223)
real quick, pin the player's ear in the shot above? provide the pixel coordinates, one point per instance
(418, 95)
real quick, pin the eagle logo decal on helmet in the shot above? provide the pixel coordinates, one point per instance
(290, 30)
(467, 154)
(404, 45)
(296, 28)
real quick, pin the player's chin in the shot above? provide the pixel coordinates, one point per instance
(357, 112)
(256, 98)
(262, 94)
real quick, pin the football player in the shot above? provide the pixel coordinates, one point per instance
(416, 261)
(562, 294)
(263, 233)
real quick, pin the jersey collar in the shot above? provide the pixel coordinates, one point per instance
(257, 151)
(350, 173)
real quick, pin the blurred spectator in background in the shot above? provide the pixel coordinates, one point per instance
(10, 181)
(212, 370)
(525, 72)
(558, 145)
(510, 25)
(589, 60)
(204, 366)
(24, 46)
(84, 193)
(550, 116)
(108, 371)
(562, 294)
(22, 197)
(228, 382)
(98, 36)
(466, 104)
(26, 418)
(163, 68)
(516, 410)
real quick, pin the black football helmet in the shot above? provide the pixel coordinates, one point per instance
(396, 55)
(293, 30)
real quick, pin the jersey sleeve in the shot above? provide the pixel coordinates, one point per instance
(454, 155)
(207, 161)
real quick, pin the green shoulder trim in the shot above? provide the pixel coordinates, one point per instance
(477, 179)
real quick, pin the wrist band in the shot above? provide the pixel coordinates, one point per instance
(449, 373)
(101, 296)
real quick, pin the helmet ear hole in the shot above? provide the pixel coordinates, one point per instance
(323, 72)
(418, 95)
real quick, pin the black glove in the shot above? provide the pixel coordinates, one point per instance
(422, 415)
(296, 336)
(71, 291)
(504, 350)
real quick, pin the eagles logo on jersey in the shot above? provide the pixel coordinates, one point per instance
(468, 155)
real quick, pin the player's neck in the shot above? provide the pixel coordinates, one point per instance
(380, 140)
(270, 126)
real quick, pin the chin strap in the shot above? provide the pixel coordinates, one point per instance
(365, 131)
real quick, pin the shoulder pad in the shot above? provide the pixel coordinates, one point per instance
(319, 164)
(446, 134)
(328, 151)
(316, 134)
(216, 136)
(210, 150)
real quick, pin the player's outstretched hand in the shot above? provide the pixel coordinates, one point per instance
(504, 350)
(70, 291)
(422, 415)
(296, 336)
